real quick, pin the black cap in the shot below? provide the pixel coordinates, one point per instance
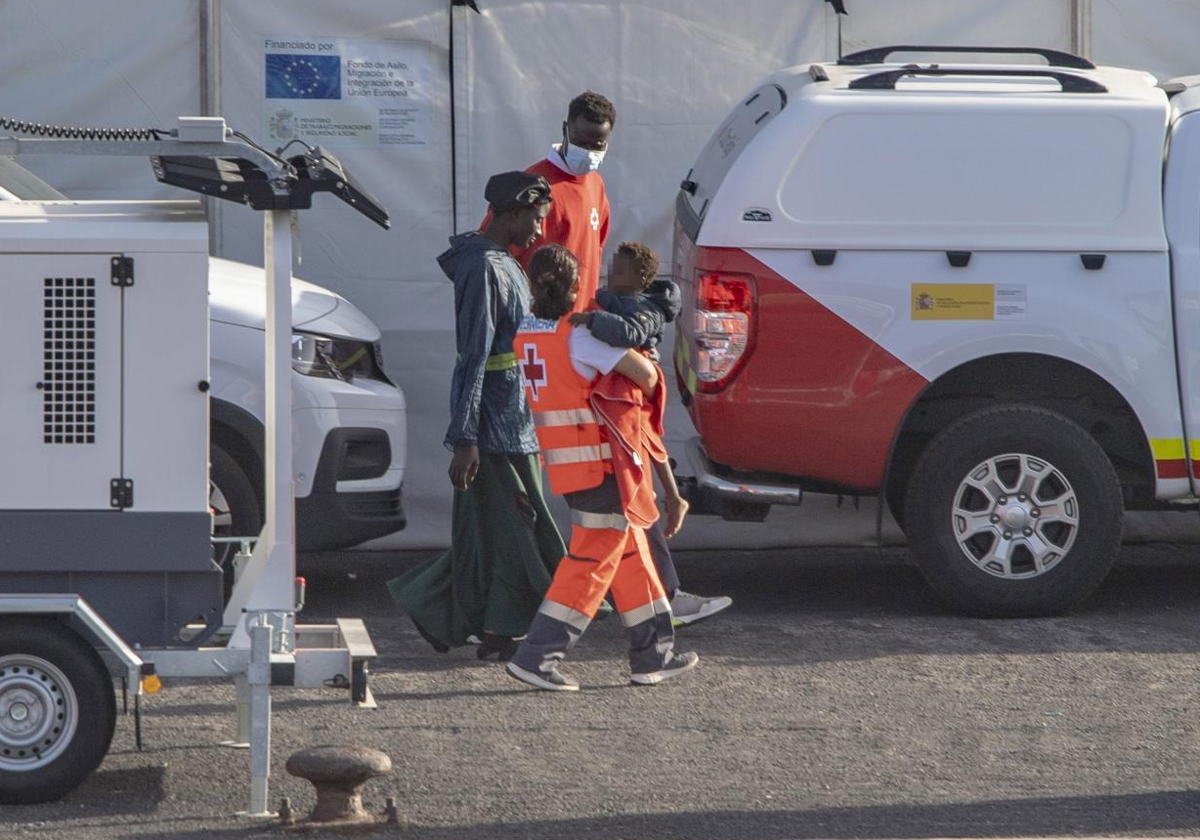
(516, 189)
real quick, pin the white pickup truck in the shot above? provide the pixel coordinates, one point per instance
(971, 289)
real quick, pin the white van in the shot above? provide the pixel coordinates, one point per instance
(349, 418)
(969, 289)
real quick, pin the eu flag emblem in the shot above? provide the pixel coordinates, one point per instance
(304, 76)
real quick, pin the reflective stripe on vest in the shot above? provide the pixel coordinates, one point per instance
(565, 417)
(577, 454)
(573, 444)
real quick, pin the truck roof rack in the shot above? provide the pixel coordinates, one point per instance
(886, 80)
(1056, 58)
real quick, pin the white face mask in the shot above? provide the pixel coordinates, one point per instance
(582, 161)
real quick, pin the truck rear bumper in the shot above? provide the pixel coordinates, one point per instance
(733, 495)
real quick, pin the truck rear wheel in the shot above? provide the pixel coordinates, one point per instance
(1014, 511)
(57, 711)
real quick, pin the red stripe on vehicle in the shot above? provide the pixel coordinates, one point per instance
(816, 398)
(1172, 468)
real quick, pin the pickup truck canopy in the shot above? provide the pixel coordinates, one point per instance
(962, 156)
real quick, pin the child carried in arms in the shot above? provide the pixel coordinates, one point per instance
(634, 308)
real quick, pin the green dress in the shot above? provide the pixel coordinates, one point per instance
(505, 547)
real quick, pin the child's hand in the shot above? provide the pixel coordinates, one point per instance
(577, 318)
(677, 508)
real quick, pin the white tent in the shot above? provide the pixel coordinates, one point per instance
(672, 68)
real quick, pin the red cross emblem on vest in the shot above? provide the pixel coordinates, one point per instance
(533, 371)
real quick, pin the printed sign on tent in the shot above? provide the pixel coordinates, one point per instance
(346, 92)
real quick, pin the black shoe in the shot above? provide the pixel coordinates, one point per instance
(503, 646)
(434, 643)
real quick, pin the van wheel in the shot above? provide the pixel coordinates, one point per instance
(57, 711)
(1014, 511)
(234, 508)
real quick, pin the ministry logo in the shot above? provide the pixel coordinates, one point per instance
(303, 76)
(283, 125)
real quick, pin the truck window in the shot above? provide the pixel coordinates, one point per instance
(740, 127)
(1020, 170)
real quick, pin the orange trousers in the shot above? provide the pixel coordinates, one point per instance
(606, 552)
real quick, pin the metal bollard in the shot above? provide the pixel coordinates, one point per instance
(337, 773)
(259, 678)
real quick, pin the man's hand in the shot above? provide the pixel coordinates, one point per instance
(577, 318)
(464, 466)
(677, 508)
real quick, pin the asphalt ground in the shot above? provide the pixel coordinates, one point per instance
(837, 698)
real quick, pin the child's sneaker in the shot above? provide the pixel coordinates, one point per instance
(552, 680)
(679, 663)
(687, 608)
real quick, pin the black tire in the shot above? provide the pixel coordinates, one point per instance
(67, 706)
(235, 508)
(1052, 565)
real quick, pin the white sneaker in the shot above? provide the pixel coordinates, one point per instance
(688, 609)
(679, 663)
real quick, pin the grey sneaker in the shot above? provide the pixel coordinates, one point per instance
(687, 608)
(679, 663)
(552, 680)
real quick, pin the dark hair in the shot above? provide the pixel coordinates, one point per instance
(592, 107)
(645, 261)
(552, 297)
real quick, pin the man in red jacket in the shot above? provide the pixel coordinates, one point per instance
(578, 220)
(579, 216)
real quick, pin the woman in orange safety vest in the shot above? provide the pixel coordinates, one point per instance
(597, 412)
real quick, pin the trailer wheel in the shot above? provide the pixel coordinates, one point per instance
(57, 710)
(1014, 511)
(234, 508)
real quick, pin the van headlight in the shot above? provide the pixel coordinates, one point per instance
(334, 358)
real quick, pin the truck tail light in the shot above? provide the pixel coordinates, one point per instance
(724, 326)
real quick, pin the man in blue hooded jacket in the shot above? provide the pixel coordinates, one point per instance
(504, 545)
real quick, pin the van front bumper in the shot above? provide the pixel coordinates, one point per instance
(356, 492)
